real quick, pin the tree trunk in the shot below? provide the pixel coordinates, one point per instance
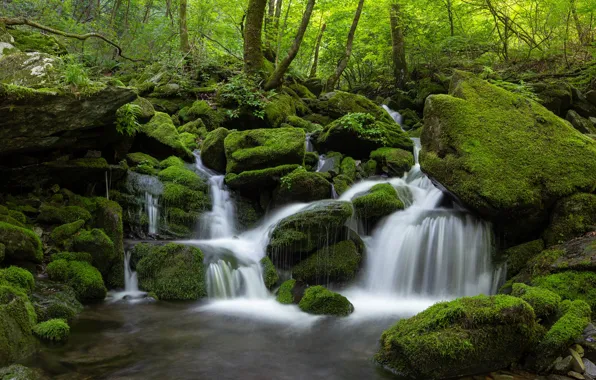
(147, 11)
(578, 25)
(341, 66)
(398, 50)
(114, 11)
(253, 55)
(277, 15)
(276, 78)
(184, 45)
(450, 15)
(315, 63)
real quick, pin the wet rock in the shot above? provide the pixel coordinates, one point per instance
(590, 368)
(579, 349)
(577, 363)
(321, 301)
(580, 123)
(575, 375)
(20, 372)
(562, 366)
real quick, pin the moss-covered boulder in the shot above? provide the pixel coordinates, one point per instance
(380, 201)
(570, 285)
(172, 271)
(285, 294)
(580, 123)
(556, 96)
(20, 372)
(321, 301)
(278, 109)
(53, 330)
(358, 134)
(18, 318)
(518, 256)
(160, 138)
(302, 186)
(213, 153)
(99, 245)
(145, 111)
(544, 302)
(81, 276)
(54, 300)
(572, 216)
(342, 183)
(20, 244)
(264, 148)
(201, 110)
(62, 215)
(61, 234)
(183, 176)
(395, 162)
(338, 263)
(503, 155)
(337, 104)
(467, 336)
(316, 226)
(270, 275)
(33, 41)
(348, 168)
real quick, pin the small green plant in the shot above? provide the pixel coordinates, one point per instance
(54, 330)
(75, 74)
(126, 119)
(364, 125)
(286, 181)
(244, 92)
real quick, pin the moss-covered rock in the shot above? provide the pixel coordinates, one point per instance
(61, 234)
(19, 277)
(320, 301)
(99, 245)
(358, 134)
(337, 104)
(196, 127)
(544, 302)
(302, 186)
(316, 226)
(62, 215)
(518, 256)
(302, 91)
(202, 110)
(172, 161)
(505, 156)
(342, 183)
(262, 179)
(18, 318)
(108, 217)
(20, 244)
(556, 96)
(19, 372)
(264, 148)
(348, 168)
(572, 216)
(83, 278)
(270, 275)
(570, 285)
(213, 153)
(394, 162)
(285, 294)
(54, 300)
(183, 176)
(145, 110)
(337, 263)
(161, 139)
(298, 122)
(53, 330)
(189, 140)
(381, 200)
(467, 336)
(33, 41)
(172, 271)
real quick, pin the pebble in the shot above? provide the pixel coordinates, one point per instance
(575, 375)
(577, 364)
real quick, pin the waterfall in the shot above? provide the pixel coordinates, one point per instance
(394, 114)
(131, 284)
(152, 211)
(147, 189)
(223, 281)
(308, 143)
(220, 221)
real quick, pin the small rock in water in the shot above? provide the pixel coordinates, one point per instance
(561, 365)
(575, 375)
(590, 368)
(579, 349)
(577, 364)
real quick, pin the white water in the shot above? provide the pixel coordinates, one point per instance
(149, 188)
(131, 284)
(308, 143)
(394, 114)
(220, 221)
(152, 211)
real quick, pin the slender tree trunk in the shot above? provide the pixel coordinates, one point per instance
(126, 14)
(277, 15)
(184, 45)
(450, 15)
(253, 55)
(276, 78)
(147, 11)
(114, 11)
(315, 63)
(343, 63)
(578, 25)
(281, 32)
(398, 50)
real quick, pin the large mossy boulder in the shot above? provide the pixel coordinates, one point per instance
(395, 162)
(213, 153)
(160, 138)
(99, 245)
(519, 255)
(81, 276)
(172, 271)
(264, 148)
(203, 111)
(338, 263)
(18, 318)
(259, 180)
(321, 301)
(33, 41)
(302, 186)
(337, 104)
(318, 225)
(464, 337)
(54, 300)
(503, 155)
(571, 216)
(358, 134)
(20, 244)
(380, 201)
(544, 302)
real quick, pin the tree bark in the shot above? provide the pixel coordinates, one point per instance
(147, 11)
(184, 45)
(315, 63)
(578, 25)
(450, 15)
(276, 78)
(341, 66)
(398, 50)
(253, 55)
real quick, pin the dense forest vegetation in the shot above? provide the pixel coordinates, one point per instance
(278, 189)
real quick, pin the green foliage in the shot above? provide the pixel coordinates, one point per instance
(73, 256)
(285, 295)
(570, 285)
(544, 302)
(85, 280)
(62, 215)
(269, 272)
(244, 93)
(54, 330)
(321, 301)
(126, 119)
(19, 277)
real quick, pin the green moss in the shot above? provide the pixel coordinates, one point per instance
(394, 162)
(161, 128)
(348, 168)
(19, 277)
(53, 300)
(358, 134)
(54, 330)
(339, 103)
(520, 255)
(62, 215)
(269, 272)
(342, 183)
(285, 295)
(29, 41)
(81, 276)
(572, 216)
(318, 119)
(213, 152)
(460, 337)
(544, 302)
(10, 220)
(172, 161)
(2, 252)
(258, 179)
(18, 317)
(503, 169)
(172, 271)
(302, 91)
(17, 215)
(564, 332)
(298, 122)
(337, 263)
(321, 301)
(73, 256)
(145, 111)
(99, 245)
(381, 201)
(570, 285)
(182, 176)
(303, 186)
(201, 110)
(177, 195)
(278, 109)
(62, 233)
(138, 158)
(196, 127)
(20, 243)
(19, 372)
(189, 140)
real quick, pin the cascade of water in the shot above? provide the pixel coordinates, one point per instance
(152, 211)
(394, 114)
(131, 284)
(321, 163)
(308, 143)
(149, 188)
(220, 221)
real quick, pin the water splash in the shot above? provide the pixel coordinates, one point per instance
(131, 284)
(152, 212)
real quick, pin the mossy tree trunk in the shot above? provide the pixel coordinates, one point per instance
(253, 55)
(343, 63)
(398, 50)
(184, 44)
(276, 78)
(315, 63)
